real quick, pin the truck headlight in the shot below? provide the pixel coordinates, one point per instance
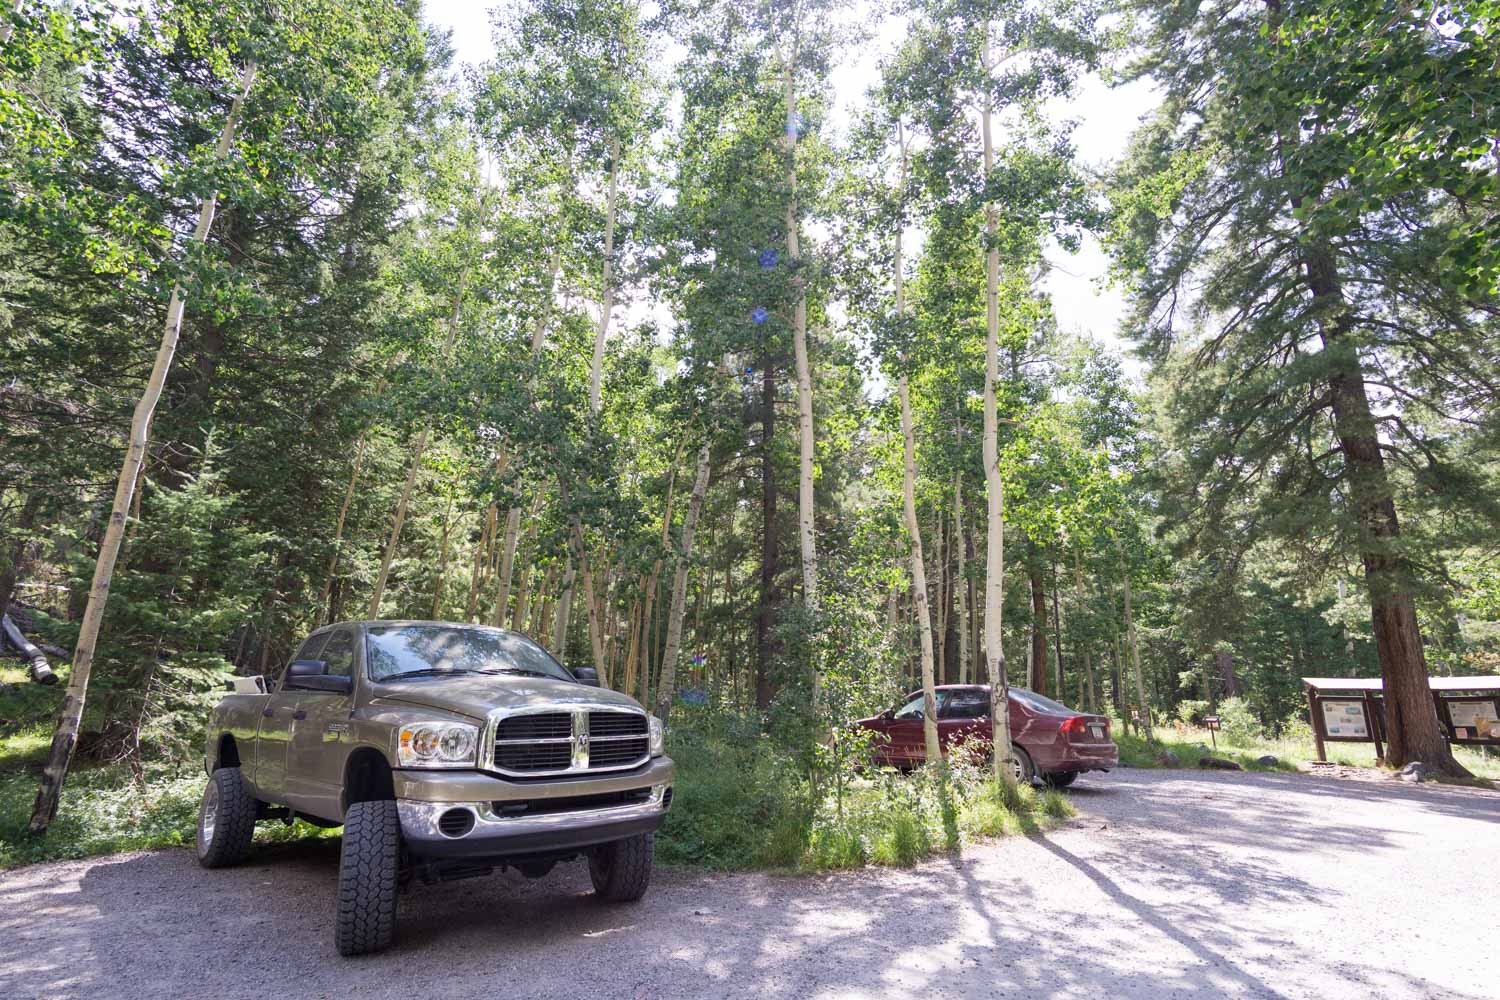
(658, 736)
(437, 744)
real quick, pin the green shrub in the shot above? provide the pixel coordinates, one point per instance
(1237, 723)
(838, 846)
(1192, 712)
(904, 839)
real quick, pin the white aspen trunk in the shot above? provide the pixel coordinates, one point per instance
(338, 530)
(1088, 666)
(994, 583)
(666, 685)
(564, 610)
(481, 562)
(523, 592)
(442, 577)
(918, 573)
(805, 527)
(591, 600)
(909, 505)
(961, 584)
(1135, 650)
(507, 565)
(940, 590)
(607, 304)
(416, 468)
(70, 714)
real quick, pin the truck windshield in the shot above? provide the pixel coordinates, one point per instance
(435, 650)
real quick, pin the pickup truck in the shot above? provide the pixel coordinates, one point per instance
(444, 750)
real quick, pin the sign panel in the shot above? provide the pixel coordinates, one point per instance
(1345, 720)
(1474, 719)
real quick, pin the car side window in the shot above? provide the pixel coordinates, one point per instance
(913, 708)
(965, 705)
(339, 653)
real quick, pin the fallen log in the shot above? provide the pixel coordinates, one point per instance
(41, 670)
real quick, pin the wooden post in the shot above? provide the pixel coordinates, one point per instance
(1374, 728)
(1316, 723)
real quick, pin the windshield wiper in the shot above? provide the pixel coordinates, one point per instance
(523, 672)
(432, 672)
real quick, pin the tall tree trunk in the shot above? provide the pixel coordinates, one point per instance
(1114, 681)
(607, 303)
(1413, 730)
(918, 570)
(65, 740)
(1224, 661)
(442, 574)
(415, 469)
(564, 610)
(507, 565)
(1083, 648)
(994, 582)
(338, 528)
(1135, 651)
(666, 686)
(940, 588)
(481, 562)
(909, 506)
(1036, 667)
(961, 581)
(1057, 632)
(806, 535)
(769, 556)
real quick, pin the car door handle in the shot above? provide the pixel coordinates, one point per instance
(268, 712)
(299, 714)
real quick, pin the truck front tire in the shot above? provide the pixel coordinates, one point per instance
(369, 869)
(621, 871)
(226, 819)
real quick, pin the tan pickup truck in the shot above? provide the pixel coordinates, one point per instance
(444, 750)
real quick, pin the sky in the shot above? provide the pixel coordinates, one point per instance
(1105, 117)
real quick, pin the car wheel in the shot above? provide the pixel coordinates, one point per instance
(621, 871)
(226, 819)
(1060, 779)
(1022, 770)
(369, 870)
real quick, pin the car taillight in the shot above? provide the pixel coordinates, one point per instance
(1074, 726)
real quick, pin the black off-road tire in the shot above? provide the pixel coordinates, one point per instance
(226, 819)
(369, 870)
(621, 871)
(1060, 779)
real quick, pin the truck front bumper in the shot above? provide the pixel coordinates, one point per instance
(496, 819)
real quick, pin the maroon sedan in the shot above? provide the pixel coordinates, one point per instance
(1049, 739)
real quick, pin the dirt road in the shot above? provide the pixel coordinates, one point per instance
(1170, 884)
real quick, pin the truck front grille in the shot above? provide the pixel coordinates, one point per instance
(547, 743)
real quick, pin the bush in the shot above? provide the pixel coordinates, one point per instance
(1237, 723)
(1192, 712)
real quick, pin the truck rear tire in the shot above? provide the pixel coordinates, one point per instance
(226, 819)
(369, 870)
(621, 871)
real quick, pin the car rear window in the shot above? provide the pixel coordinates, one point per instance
(394, 650)
(1040, 703)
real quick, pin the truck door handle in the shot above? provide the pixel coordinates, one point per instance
(268, 712)
(299, 714)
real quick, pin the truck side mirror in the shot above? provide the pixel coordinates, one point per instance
(587, 675)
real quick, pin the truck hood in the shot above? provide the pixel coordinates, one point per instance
(476, 695)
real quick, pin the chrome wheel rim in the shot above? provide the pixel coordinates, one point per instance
(1016, 773)
(208, 816)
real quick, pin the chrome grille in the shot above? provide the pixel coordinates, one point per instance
(585, 739)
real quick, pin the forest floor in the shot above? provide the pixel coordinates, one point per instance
(1169, 883)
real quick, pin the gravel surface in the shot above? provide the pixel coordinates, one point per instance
(1170, 884)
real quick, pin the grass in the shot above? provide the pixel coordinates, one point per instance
(1292, 752)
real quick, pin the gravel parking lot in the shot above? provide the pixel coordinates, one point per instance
(1169, 884)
